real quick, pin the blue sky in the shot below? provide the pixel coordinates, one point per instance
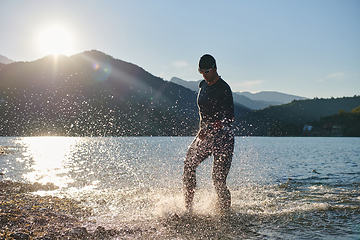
(309, 48)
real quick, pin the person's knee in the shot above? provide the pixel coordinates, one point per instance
(189, 177)
(219, 176)
(189, 167)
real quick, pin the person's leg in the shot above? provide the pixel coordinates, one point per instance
(219, 174)
(197, 153)
(221, 167)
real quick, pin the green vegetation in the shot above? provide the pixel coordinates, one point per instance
(93, 94)
(349, 122)
(289, 119)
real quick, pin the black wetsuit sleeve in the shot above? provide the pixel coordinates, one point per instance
(224, 106)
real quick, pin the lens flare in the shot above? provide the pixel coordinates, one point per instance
(102, 70)
(96, 66)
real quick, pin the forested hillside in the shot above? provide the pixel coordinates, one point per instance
(288, 119)
(347, 123)
(93, 94)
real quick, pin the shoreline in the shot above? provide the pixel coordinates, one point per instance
(24, 215)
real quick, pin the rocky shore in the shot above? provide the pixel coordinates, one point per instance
(24, 215)
(5, 150)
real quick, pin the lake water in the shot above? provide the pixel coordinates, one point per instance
(282, 188)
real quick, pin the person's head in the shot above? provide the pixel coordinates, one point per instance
(207, 67)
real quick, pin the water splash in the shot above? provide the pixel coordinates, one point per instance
(135, 183)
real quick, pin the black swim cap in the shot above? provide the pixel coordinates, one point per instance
(207, 61)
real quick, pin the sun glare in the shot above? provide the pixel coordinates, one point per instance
(56, 40)
(49, 157)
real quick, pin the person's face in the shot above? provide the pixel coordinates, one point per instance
(209, 75)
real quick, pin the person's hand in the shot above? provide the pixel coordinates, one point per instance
(216, 125)
(202, 134)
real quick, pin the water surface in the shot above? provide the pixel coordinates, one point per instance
(282, 188)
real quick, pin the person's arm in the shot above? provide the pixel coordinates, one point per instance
(225, 109)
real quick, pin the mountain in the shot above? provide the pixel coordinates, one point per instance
(5, 60)
(271, 96)
(288, 119)
(252, 104)
(93, 94)
(192, 85)
(253, 101)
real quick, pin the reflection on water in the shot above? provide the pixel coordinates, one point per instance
(48, 157)
(282, 188)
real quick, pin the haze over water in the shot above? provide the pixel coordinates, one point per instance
(282, 188)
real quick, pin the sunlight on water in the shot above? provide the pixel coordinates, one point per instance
(280, 186)
(48, 156)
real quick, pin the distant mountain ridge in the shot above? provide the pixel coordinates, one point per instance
(192, 85)
(272, 96)
(253, 101)
(93, 94)
(5, 60)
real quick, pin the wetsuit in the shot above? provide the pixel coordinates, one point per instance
(216, 109)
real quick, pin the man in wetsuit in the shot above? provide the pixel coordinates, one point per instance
(215, 137)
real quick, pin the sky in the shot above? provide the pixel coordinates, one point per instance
(309, 48)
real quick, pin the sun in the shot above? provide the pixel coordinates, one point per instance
(56, 40)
